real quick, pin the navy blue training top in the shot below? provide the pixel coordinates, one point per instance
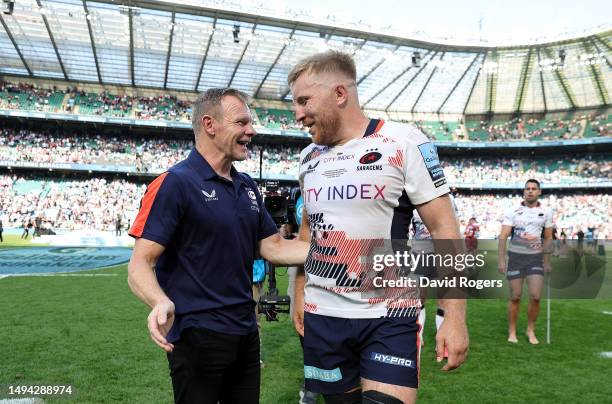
(210, 227)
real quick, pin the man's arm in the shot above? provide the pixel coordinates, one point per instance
(501, 247)
(300, 279)
(143, 283)
(439, 217)
(280, 251)
(547, 248)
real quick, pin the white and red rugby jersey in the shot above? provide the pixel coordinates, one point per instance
(527, 227)
(359, 196)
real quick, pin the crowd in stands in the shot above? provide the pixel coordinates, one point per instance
(102, 103)
(479, 171)
(571, 213)
(281, 160)
(600, 124)
(150, 154)
(68, 204)
(145, 154)
(163, 107)
(155, 154)
(25, 96)
(439, 130)
(170, 108)
(95, 203)
(283, 121)
(530, 129)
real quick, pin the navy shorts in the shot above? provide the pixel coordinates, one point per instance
(338, 352)
(522, 265)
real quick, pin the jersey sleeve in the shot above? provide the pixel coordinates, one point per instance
(424, 177)
(160, 210)
(508, 216)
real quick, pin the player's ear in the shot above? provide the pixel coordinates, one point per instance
(341, 94)
(208, 124)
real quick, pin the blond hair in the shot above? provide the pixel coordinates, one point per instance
(325, 62)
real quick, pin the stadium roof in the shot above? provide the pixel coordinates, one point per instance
(147, 43)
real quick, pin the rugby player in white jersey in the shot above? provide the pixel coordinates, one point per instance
(360, 180)
(530, 228)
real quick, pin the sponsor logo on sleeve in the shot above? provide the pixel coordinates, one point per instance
(432, 163)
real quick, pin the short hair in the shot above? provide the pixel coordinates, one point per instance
(209, 103)
(325, 62)
(533, 180)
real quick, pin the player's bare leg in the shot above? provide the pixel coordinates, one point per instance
(406, 395)
(514, 307)
(534, 285)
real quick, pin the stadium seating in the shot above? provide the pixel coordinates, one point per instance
(27, 97)
(95, 203)
(548, 128)
(277, 118)
(598, 125)
(158, 154)
(438, 130)
(163, 108)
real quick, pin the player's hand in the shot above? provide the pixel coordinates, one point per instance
(502, 267)
(452, 337)
(547, 267)
(159, 322)
(298, 319)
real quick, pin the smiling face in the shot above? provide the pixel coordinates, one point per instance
(316, 108)
(233, 129)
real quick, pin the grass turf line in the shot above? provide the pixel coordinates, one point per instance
(91, 333)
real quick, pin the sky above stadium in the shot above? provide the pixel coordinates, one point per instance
(464, 21)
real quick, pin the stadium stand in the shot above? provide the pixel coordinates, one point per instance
(571, 125)
(530, 129)
(95, 203)
(277, 118)
(156, 154)
(571, 213)
(68, 204)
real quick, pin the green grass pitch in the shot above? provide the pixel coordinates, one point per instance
(90, 332)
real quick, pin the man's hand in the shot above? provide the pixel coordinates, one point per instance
(547, 266)
(159, 322)
(502, 265)
(452, 336)
(298, 319)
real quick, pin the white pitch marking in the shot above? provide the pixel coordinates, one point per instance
(607, 355)
(85, 275)
(27, 400)
(607, 312)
